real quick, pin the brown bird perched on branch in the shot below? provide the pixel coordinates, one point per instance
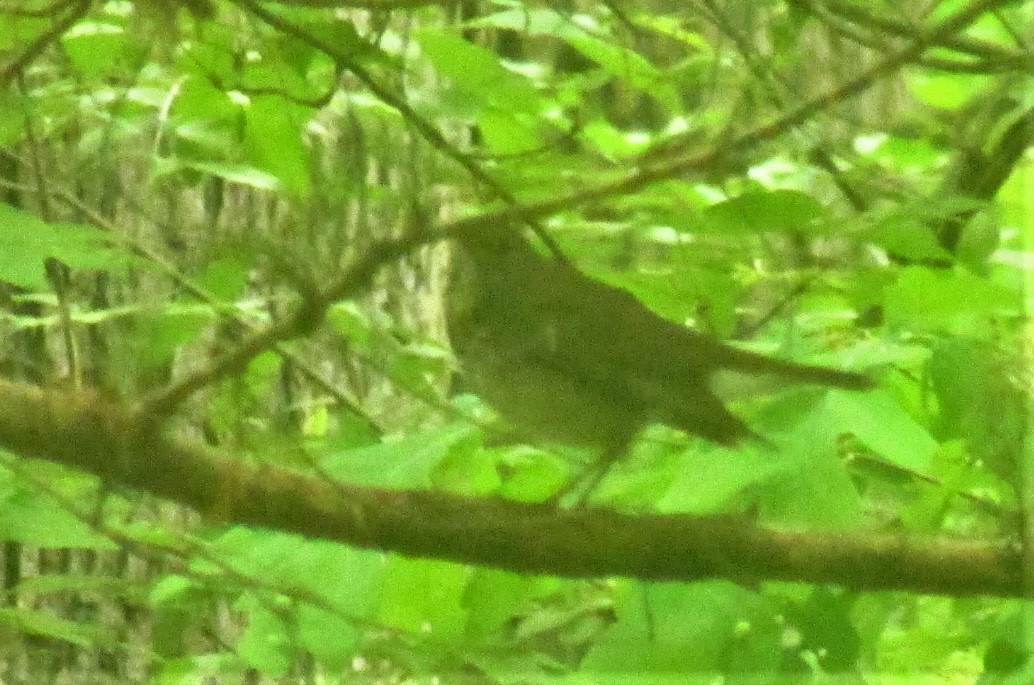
(571, 360)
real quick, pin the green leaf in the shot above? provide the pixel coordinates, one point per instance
(815, 489)
(32, 517)
(980, 401)
(611, 141)
(354, 323)
(881, 424)
(263, 374)
(478, 73)
(907, 153)
(269, 76)
(532, 475)
(763, 211)
(348, 579)
(204, 139)
(579, 32)
(14, 109)
(214, 59)
(677, 628)
(407, 463)
(911, 239)
(198, 100)
(492, 598)
(234, 173)
(347, 43)
(175, 602)
(907, 229)
(17, 29)
(425, 596)
(27, 241)
(98, 49)
(710, 479)
(468, 469)
(188, 670)
(173, 589)
(274, 141)
(506, 133)
(23, 249)
(935, 299)
(85, 247)
(946, 91)
(537, 21)
(44, 624)
(225, 278)
(629, 66)
(331, 638)
(55, 583)
(826, 628)
(162, 333)
(266, 643)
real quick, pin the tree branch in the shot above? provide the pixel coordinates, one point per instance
(91, 433)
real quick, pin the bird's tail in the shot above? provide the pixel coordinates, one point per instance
(801, 373)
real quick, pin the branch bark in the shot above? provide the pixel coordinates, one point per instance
(125, 448)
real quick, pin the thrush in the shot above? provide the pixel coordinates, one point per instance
(568, 359)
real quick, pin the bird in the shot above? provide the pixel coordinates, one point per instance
(567, 359)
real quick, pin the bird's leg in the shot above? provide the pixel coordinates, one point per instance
(582, 486)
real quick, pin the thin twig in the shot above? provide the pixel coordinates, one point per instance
(78, 9)
(305, 318)
(652, 173)
(429, 133)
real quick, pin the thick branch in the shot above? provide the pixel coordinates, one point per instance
(88, 432)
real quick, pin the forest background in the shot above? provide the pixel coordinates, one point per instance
(236, 450)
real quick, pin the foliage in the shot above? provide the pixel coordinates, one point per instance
(178, 175)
